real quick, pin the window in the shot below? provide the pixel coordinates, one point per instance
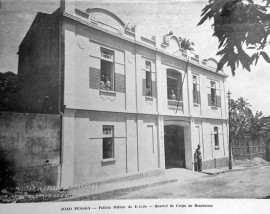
(196, 89)
(174, 85)
(216, 137)
(107, 70)
(214, 98)
(108, 142)
(106, 54)
(213, 94)
(148, 81)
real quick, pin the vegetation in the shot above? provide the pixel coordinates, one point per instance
(242, 29)
(186, 44)
(244, 123)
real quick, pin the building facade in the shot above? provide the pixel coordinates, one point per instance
(129, 104)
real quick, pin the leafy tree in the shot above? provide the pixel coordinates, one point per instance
(240, 112)
(242, 29)
(186, 44)
(259, 126)
(8, 90)
(244, 123)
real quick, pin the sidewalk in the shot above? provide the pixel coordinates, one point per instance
(225, 170)
(239, 165)
(125, 185)
(122, 185)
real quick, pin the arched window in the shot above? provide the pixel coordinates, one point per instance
(174, 85)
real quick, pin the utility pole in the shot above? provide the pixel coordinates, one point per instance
(230, 140)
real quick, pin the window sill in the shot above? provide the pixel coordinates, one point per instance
(196, 104)
(217, 147)
(149, 98)
(214, 107)
(105, 92)
(108, 160)
(174, 102)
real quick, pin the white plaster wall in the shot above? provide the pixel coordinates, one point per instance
(148, 146)
(145, 104)
(82, 51)
(83, 146)
(130, 83)
(209, 150)
(70, 64)
(188, 147)
(203, 110)
(88, 147)
(132, 146)
(83, 45)
(68, 156)
(161, 149)
(162, 91)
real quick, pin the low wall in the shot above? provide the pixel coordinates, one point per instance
(215, 163)
(29, 148)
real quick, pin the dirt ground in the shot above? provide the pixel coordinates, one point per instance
(252, 181)
(249, 183)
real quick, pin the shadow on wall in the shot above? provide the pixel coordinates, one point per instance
(6, 174)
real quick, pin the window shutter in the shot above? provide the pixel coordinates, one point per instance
(209, 100)
(120, 83)
(94, 75)
(154, 89)
(144, 87)
(218, 101)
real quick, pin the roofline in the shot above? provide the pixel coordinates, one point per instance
(136, 42)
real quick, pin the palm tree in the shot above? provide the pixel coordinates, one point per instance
(186, 44)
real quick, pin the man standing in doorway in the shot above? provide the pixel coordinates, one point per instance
(198, 159)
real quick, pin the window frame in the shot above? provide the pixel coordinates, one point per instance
(213, 88)
(178, 79)
(106, 136)
(110, 53)
(110, 59)
(196, 100)
(216, 137)
(148, 78)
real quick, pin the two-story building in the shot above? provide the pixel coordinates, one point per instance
(129, 104)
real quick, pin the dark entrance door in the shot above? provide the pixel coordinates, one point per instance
(174, 146)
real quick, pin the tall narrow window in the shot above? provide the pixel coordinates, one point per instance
(108, 142)
(107, 70)
(148, 81)
(174, 91)
(214, 98)
(196, 89)
(216, 137)
(213, 94)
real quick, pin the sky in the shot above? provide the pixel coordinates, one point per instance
(153, 17)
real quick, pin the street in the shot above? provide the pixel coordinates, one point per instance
(250, 183)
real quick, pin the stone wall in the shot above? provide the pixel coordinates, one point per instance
(29, 148)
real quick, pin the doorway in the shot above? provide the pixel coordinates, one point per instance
(174, 147)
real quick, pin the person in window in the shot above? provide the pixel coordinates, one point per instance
(107, 84)
(102, 82)
(172, 95)
(198, 159)
(148, 91)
